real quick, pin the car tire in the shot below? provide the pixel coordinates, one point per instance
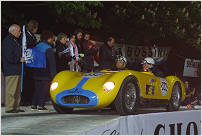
(127, 99)
(174, 103)
(60, 109)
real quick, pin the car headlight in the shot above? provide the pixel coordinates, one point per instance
(54, 85)
(108, 86)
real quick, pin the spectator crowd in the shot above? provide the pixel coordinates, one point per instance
(75, 52)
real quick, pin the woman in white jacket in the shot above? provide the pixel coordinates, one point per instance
(74, 53)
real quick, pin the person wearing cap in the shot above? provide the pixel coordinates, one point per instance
(148, 64)
(121, 63)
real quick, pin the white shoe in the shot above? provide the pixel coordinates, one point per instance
(197, 107)
(183, 107)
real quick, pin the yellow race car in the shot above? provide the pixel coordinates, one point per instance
(125, 90)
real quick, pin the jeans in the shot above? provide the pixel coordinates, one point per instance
(41, 92)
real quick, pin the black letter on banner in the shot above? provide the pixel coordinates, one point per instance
(163, 52)
(144, 53)
(137, 52)
(195, 128)
(172, 129)
(159, 52)
(187, 63)
(179, 125)
(150, 52)
(129, 51)
(156, 132)
(114, 133)
(155, 51)
(105, 131)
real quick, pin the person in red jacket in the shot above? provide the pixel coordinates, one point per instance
(89, 50)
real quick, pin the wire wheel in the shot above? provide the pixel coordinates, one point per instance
(130, 96)
(127, 97)
(175, 98)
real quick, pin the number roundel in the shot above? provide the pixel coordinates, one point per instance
(164, 87)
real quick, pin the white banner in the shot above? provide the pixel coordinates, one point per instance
(192, 68)
(164, 123)
(24, 42)
(135, 53)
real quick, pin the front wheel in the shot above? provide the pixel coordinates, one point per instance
(60, 109)
(175, 98)
(127, 98)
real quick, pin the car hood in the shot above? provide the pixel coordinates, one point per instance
(90, 81)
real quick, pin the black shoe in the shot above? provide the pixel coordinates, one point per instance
(42, 109)
(20, 110)
(12, 111)
(33, 107)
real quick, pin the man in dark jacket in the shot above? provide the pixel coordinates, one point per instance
(62, 54)
(28, 81)
(107, 54)
(32, 28)
(43, 76)
(11, 57)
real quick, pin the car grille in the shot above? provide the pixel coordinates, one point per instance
(76, 99)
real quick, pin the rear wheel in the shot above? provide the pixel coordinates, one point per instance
(175, 98)
(127, 98)
(60, 109)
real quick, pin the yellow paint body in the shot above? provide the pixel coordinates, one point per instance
(69, 79)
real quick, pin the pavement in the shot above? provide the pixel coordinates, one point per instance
(27, 110)
(34, 122)
(50, 108)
